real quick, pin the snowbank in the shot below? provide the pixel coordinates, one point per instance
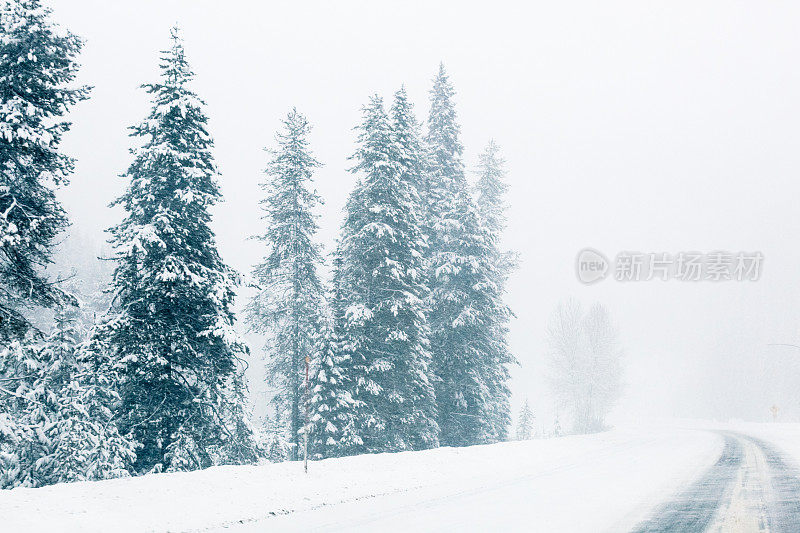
(571, 483)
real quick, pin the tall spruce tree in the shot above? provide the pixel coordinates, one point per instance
(383, 331)
(465, 299)
(409, 157)
(460, 338)
(459, 387)
(491, 189)
(37, 65)
(289, 306)
(169, 334)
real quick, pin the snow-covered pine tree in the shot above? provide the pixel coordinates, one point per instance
(57, 367)
(491, 189)
(331, 403)
(37, 64)
(465, 300)
(460, 338)
(241, 443)
(20, 443)
(410, 149)
(383, 334)
(86, 444)
(169, 334)
(525, 422)
(409, 156)
(444, 155)
(63, 430)
(275, 443)
(277, 448)
(442, 160)
(289, 305)
(459, 385)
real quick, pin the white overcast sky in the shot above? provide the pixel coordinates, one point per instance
(650, 126)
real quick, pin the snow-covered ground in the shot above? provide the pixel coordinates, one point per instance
(585, 483)
(786, 437)
(608, 481)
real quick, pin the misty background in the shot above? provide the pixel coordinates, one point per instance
(625, 126)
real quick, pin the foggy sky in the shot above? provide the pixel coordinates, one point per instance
(656, 127)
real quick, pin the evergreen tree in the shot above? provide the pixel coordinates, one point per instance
(37, 64)
(411, 155)
(63, 431)
(384, 346)
(525, 422)
(458, 321)
(460, 390)
(465, 303)
(444, 158)
(442, 161)
(492, 188)
(288, 308)
(86, 444)
(331, 405)
(20, 444)
(491, 204)
(169, 334)
(277, 447)
(240, 441)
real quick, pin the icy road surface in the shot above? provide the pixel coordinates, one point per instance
(722, 478)
(750, 488)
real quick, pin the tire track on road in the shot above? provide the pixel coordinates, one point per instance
(694, 508)
(784, 497)
(751, 488)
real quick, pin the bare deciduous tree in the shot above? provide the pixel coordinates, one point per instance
(585, 363)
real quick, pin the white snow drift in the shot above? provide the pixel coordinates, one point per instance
(580, 483)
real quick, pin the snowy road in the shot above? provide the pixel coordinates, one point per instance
(750, 488)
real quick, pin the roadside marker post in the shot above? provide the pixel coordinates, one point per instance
(305, 431)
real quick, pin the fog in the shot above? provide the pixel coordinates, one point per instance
(662, 127)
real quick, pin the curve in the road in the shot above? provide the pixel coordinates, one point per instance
(694, 508)
(751, 487)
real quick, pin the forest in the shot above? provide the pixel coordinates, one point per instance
(405, 348)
